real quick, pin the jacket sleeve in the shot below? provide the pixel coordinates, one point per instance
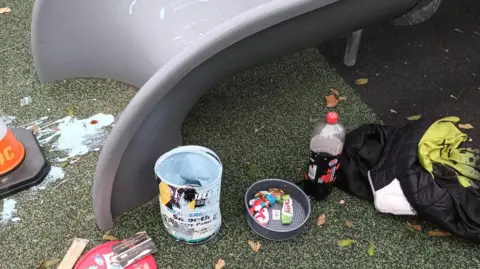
(362, 150)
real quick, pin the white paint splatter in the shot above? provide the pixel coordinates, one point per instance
(56, 173)
(75, 137)
(25, 101)
(8, 119)
(9, 211)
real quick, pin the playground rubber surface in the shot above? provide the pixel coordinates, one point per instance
(259, 123)
(432, 69)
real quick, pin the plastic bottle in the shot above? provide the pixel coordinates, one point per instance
(326, 145)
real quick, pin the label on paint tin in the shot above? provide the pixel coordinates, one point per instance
(190, 213)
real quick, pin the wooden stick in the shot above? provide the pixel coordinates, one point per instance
(73, 253)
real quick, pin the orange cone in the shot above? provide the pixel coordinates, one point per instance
(12, 151)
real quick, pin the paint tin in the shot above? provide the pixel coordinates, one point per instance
(189, 181)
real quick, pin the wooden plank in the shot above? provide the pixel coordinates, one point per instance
(73, 253)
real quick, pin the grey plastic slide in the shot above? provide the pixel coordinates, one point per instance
(174, 51)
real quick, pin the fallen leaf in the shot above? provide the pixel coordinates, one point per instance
(5, 10)
(361, 81)
(335, 91)
(342, 98)
(453, 97)
(414, 117)
(465, 126)
(64, 164)
(220, 264)
(109, 237)
(393, 111)
(35, 129)
(331, 100)
(253, 169)
(349, 223)
(371, 249)
(93, 122)
(69, 111)
(458, 30)
(49, 263)
(346, 242)
(414, 227)
(321, 220)
(438, 233)
(254, 245)
(73, 160)
(342, 202)
(258, 129)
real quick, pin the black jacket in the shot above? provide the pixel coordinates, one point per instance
(391, 153)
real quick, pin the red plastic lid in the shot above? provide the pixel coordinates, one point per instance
(332, 117)
(99, 256)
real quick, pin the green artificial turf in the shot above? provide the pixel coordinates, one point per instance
(259, 122)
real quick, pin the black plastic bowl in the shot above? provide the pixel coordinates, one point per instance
(275, 230)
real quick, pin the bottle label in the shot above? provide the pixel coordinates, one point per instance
(322, 168)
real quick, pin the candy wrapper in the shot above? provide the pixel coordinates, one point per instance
(268, 199)
(287, 210)
(277, 194)
(262, 216)
(256, 204)
(260, 194)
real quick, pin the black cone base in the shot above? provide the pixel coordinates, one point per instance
(31, 172)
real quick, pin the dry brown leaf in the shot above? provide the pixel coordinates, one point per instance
(414, 227)
(331, 100)
(49, 263)
(438, 233)
(93, 122)
(342, 202)
(349, 223)
(35, 129)
(335, 91)
(5, 10)
(393, 111)
(361, 81)
(465, 126)
(220, 264)
(73, 160)
(109, 237)
(321, 220)
(342, 98)
(254, 245)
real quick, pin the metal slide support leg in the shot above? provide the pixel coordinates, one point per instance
(351, 51)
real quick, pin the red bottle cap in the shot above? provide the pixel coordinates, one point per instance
(332, 117)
